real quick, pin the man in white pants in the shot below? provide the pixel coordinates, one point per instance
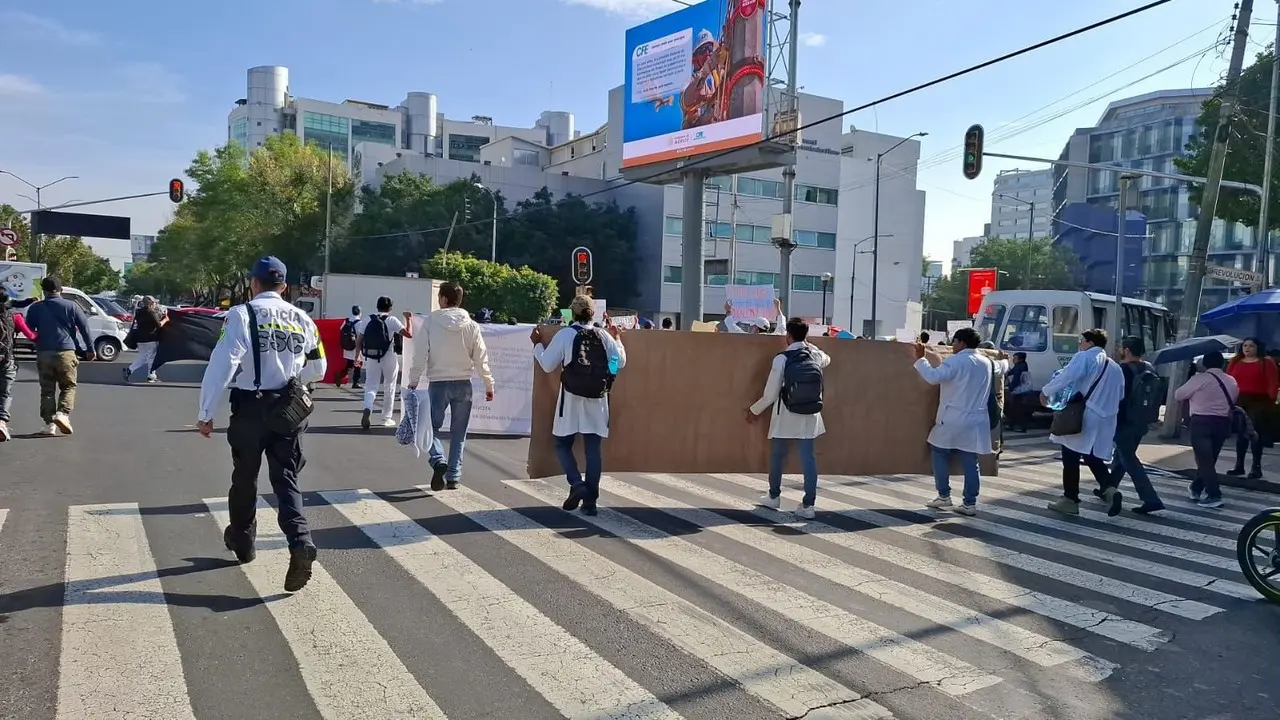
(146, 332)
(375, 341)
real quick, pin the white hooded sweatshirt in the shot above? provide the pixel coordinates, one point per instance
(450, 347)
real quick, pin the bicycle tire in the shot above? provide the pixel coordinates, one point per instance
(1265, 519)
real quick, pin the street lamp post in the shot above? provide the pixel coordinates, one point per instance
(875, 229)
(826, 282)
(1031, 231)
(853, 273)
(35, 243)
(493, 253)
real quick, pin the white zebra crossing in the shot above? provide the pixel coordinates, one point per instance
(3, 514)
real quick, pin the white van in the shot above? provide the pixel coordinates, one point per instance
(108, 333)
(1046, 324)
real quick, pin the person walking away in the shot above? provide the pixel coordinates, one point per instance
(1089, 368)
(1018, 391)
(375, 342)
(1211, 395)
(350, 359)
(1139, 409)
(967, 383)
(794, 390)
(590, 358)
(449, 350)
(1258, 379)
(146, 332)
(56, 322)
(11, 323)
(276, 347)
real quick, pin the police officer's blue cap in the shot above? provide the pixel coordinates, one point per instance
(269, 270)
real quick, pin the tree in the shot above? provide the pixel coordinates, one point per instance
(1245, 151)
(521, 294)
(1023, 264)
(404, 222)
(69, 258)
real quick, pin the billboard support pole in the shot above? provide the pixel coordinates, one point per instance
(692, 232)
(787, 245)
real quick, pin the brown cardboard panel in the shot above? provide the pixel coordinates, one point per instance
(679, 407)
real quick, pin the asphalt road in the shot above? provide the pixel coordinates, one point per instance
(117, 599)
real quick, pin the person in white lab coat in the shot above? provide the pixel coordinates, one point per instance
(962, 424)
(796, 419)
(1103, 383)
(589, 355)
(375, 341)
(759, 325)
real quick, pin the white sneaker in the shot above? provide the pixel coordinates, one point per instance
(1192, 495)
(966, 510)
(939, 503)
(4, 431)
(63, 422)
(389, 423)
(50, 430)
(806, 512)
(770, 502)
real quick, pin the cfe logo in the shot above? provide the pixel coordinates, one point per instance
(642, 50)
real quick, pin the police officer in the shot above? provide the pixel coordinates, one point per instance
(289, 346)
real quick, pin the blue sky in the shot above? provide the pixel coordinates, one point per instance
(123, 94)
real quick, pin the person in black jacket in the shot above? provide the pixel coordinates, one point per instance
(1130, 431)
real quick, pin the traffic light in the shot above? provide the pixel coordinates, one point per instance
(177, 192)
(973, 151)
(582, 266)
(466, 209)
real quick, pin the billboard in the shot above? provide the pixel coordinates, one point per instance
(981, 282)
(695, 82)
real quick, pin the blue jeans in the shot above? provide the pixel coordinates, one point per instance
(591, 449)
(1126, 460)
(778, 448)
(454, 396)
(942, 473)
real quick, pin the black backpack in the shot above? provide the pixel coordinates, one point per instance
(1142, 406)
(348, 336)
(6, 334)
(993, 401)
(801, 383)
(376, 340)
(587, 374)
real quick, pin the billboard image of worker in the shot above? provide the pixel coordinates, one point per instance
(695, 82)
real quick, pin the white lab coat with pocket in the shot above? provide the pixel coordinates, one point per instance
(782, 422)
(1102, 410)
(962, 422)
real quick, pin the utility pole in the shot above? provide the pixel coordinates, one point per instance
(328, 238)
(787, 245)
(1264, 232)
(692, 233)
(1190, 314)
(1115, 328)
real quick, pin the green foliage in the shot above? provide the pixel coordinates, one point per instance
(1245, 151)
(1034, 265)
(69, 258)
(522, 293)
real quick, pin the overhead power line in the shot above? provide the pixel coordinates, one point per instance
(806, 126)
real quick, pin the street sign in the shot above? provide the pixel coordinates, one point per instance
(1240, 277)
(8, 237)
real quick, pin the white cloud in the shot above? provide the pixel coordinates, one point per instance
(632, 8)
(54, 30)
(812, 39)
(19, 86)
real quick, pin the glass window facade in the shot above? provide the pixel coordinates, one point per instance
(239, 132)
(756, 187)
(327, 130)
(522, 156)
(815, 194)
(672, 225)
(466, 147)
(810, 283)
(672, 274)
(377, 132)
(814, 239)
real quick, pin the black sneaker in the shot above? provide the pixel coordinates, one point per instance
(452, 485)
(364, 419)
(437, 477)
(590, 509)
(575, 497)
(299, 573)
(241, 544)
(1099, 493)
(1115, 501)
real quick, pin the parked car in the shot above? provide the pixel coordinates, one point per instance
(107, 332)
(112, 308)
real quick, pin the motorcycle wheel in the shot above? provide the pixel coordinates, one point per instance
(1258, 551)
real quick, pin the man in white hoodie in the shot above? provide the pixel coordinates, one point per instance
(447, 351)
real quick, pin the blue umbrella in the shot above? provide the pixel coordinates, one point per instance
(1256, 315)
(1194, 348)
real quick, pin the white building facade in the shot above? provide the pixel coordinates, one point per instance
(962, 249)
(1022, 203)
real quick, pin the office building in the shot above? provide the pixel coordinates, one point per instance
(1022, 203)
(416, 125)
(140, 247)
(929, 278)
(1148, 132)
(961, 250)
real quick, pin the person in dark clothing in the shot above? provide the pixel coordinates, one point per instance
(1131, 430)
(147, 323)
(1017, 391)
(56, 321)
(10, 325)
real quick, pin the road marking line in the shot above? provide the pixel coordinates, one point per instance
(563, 669)
(346, 665)
(1107, 557)
(760, 670)
(1047, 568)
(120, 655)
(1023, 643)
(1135, 634)
(3, 514)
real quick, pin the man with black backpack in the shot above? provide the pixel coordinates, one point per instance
(375, 340)
(591, 358)
(1143, 395)
(350, 358)
(794, 390)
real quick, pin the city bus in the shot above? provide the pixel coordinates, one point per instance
(1046, 324)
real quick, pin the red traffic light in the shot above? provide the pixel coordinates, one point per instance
(582, 257)
(582, 270)
(177, 191)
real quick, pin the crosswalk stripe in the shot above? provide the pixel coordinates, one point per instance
(760, 670)
(1101, 584)
(1244, 503)
(1135, 634)
(564, 670)
(1107, 557)
(119, 655)
(901, 653)
(349, 669)
(1028, 645)
(3, 514)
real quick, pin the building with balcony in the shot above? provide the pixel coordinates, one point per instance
(1022, 203)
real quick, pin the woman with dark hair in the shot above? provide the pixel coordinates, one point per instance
(1211, 395)
(1259, 380)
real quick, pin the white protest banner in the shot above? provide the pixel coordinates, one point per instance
(511, 362)
(750, 301)
(626, 322)
(954, 325)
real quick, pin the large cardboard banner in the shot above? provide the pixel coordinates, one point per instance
(511, 360)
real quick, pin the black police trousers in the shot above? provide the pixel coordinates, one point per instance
(250, 439)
